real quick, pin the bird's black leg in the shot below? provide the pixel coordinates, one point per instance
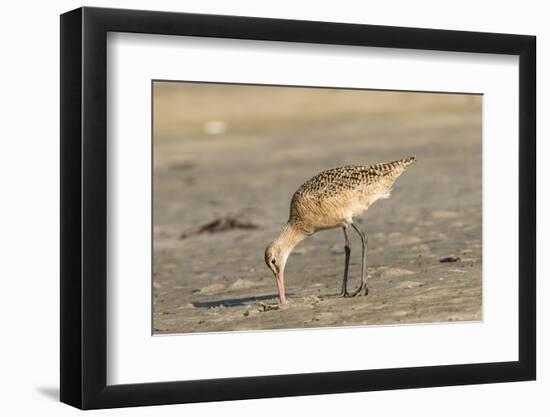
(347, 249)
(362, 289)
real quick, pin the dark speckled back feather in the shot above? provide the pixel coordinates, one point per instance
(337, 195)
(336, 180)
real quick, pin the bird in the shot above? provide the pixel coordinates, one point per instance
(332, 199)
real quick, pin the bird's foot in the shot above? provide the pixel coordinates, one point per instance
(361, 290)
(344, 294)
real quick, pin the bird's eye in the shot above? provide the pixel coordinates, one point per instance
(273, 261)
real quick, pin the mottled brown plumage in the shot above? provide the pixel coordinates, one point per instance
(332, 199)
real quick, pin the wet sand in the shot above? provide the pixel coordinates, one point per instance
(228, 160)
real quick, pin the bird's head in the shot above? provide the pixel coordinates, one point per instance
(275, 258)
(277, 253)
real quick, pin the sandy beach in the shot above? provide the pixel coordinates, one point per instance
(227, 160)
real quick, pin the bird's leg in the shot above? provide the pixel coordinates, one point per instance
(347, 250)
(362, 289)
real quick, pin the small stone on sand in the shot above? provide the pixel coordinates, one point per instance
(450, 258)
(267, 307)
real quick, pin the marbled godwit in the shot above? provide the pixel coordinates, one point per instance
(332, 199)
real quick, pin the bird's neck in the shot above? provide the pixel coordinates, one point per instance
(290, 236)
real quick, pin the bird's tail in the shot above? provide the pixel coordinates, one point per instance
(390, 171)
(405, 162)
(395, 168)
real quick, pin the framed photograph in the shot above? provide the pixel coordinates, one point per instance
(260, 208)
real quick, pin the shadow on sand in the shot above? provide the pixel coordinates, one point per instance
(235, 302)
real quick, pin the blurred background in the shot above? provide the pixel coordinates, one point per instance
(227, 159)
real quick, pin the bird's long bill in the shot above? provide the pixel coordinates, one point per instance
(281, 284)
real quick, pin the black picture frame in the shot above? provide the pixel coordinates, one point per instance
(84, 207)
